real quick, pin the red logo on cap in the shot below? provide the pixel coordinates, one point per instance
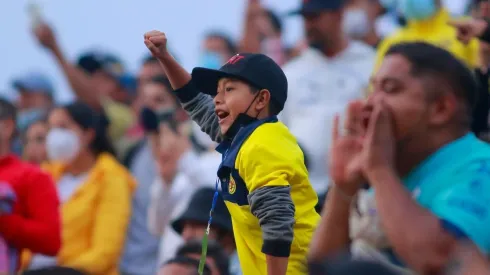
(234, 59)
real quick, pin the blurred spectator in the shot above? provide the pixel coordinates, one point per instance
(94, 188)
(216, 258)
(98, 80)
(217, 48)
(360, 19)
(427, 21)
(262, 33)
(330, 73)
(418, 127)
(34, 221)
(190, 215)
(183, 266)
(35, 142)
(36, 98)
(388, 22)
(346, 266)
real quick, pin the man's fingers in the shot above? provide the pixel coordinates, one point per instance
(353, 122)
(458, 23)
(158, 40)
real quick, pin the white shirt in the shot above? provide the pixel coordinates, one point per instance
(169, 201)
(67, 186)
(320, 87)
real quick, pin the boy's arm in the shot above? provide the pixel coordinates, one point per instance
(267, 171)
(274, 208)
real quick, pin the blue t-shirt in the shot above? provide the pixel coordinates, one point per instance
(454, 184)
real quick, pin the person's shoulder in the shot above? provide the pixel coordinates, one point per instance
(271, 138)
(108, 165)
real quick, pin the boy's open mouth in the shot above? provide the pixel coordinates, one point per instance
(222, 115)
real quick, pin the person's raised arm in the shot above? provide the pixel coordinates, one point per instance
(198, 105)
(80, 82)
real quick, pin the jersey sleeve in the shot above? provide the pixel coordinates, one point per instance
(464, 208)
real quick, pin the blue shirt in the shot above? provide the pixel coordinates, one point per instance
(454, 184)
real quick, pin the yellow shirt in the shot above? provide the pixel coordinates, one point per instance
(95, 218)
(270, 156)
(434, 30)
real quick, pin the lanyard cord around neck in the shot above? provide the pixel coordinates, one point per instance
(204, 243)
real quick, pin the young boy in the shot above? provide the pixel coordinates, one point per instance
(263, 177)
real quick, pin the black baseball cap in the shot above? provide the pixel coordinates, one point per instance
(315, 6)
(257, 70)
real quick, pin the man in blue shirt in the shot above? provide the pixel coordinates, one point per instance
(411, 141)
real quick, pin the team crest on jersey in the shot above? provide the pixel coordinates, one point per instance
(231, 186)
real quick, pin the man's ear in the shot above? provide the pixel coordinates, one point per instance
(263, 99)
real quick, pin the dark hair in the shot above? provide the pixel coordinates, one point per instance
(148, 59)
(7, 110)
(189, 262)
(230, 45)
(440, 65)
(215, 251)
(275, 20)
(87, 118)
(162, 80)
(53, 271)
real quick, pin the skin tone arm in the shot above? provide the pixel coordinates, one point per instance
(276, 265)
(80, 82)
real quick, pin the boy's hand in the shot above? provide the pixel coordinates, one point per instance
(156, 41)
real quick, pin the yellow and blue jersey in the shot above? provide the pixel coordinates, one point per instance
(261, 164)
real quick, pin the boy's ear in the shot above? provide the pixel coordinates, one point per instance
(263, 99)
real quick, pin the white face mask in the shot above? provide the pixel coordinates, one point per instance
(356, 23)
(62, 145)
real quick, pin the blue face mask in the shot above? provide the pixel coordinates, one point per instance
(27, 117)
(418, 9)
(211, 60)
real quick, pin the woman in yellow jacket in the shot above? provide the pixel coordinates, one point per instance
(95, 191)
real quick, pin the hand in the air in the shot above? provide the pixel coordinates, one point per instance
(45, 36)
(156, 42)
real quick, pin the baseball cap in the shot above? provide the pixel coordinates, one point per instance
(314, 6)
(258, 70)
(34, 82)
(91, 62)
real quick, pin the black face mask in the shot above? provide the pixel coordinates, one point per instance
(241, 121)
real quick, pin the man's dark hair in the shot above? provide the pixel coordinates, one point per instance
(162, 80)
(436, 64)
(230, 45)
(7, 110)
(189, 262)
(215, 251)
(54, 271)
(275, 21)
(149, 59)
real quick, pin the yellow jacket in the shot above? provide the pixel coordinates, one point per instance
(436, 31)
(95, 218)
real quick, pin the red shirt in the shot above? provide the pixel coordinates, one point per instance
(35, 221)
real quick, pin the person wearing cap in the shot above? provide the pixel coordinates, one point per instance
(263, 177)
(36, 98)
(99, 80)
(191, 225)
(332, 71)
